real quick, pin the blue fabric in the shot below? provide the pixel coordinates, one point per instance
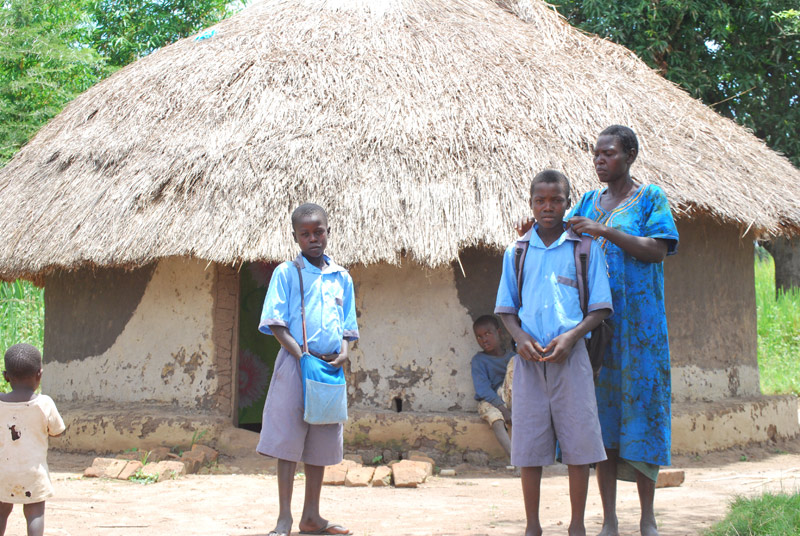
(324, 391)
(488, 373)
(550, 301)
(633, 390)
(330, 305)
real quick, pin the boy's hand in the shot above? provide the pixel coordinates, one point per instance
(339, 360)
(559, 348)
(528, 348)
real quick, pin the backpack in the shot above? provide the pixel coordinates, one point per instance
(601, 335)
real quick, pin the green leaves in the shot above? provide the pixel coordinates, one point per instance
(741, 57)
(53, 50)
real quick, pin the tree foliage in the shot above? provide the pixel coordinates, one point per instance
(125, 30)
(53, 50)
(740, 56)
(43, 65)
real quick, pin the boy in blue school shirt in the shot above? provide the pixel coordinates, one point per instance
(553, 388)
(330, 324)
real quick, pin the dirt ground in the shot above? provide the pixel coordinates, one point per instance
(242, 500)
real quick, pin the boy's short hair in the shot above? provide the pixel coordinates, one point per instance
(625, 135)
(308, 209)
(23, 361)
(551, 176)
(486, 320)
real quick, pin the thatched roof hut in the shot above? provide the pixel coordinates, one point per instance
(417, 123)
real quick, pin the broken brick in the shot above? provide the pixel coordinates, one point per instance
(358, 477)
(408, 474)
(670, 479)
(130, 469)
(210, 454)
(382, 476)
(158, 454)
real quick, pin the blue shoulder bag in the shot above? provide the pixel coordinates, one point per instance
(324, 387)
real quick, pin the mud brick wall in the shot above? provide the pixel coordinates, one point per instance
(225, 328)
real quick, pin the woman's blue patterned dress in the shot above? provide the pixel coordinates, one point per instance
(633, 390)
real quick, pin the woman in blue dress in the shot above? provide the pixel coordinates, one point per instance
(633, 223)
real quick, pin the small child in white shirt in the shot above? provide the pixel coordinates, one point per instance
(26, 422)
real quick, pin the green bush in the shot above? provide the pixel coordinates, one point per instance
(778, 331)
(21, 317)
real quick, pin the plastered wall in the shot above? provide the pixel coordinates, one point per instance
(711, 311)
(158, 336)
(416, 324)
(416, 340)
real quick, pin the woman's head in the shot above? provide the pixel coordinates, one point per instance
(615, 151)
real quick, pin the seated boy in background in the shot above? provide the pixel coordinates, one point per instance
(488, 372)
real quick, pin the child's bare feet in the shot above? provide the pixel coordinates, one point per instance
(282, 528)
(648, 527)
(610, 528)
(533, 531)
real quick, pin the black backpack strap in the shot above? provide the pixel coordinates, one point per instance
(519, 261)
(582, 268)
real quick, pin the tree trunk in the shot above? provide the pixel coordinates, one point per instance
(786, 253)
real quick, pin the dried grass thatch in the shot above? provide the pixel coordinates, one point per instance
(417, 123)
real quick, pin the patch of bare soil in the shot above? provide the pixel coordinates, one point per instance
(242, 499)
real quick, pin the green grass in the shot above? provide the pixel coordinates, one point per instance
(21, 317)
(767, 515)
(778, 331)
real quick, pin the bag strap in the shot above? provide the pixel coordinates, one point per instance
(519, 261)
(302, 303)
(581, 267)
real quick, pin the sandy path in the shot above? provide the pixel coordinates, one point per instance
(481, 503)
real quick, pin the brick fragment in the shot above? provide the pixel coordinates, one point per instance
(408, 474)
(425, 459)
(193, 460)
(359, 477)
(670, 479)
(382, 476)
(93, 472)
(211, 454)
(157, 454)
(130, 469)
(113, 469)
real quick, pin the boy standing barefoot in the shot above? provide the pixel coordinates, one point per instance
(26, 422)
(330, 324)
(553, 389)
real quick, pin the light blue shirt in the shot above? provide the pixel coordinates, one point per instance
(330, 305)
(550, 301)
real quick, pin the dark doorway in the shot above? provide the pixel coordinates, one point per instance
(257, 351)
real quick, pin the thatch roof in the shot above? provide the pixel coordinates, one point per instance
(417, 123)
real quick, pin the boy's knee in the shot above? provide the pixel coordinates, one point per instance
(5, 509)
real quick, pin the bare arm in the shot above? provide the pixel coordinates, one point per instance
(560, 347)
(287, 341)
(642, 248)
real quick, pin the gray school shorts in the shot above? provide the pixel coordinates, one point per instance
(555, 402)
(284, 433)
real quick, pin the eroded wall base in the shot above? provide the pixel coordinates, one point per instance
(705, 426)
(696, 428)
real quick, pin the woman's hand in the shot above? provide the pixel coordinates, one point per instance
(524, 225)
(588, 226)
